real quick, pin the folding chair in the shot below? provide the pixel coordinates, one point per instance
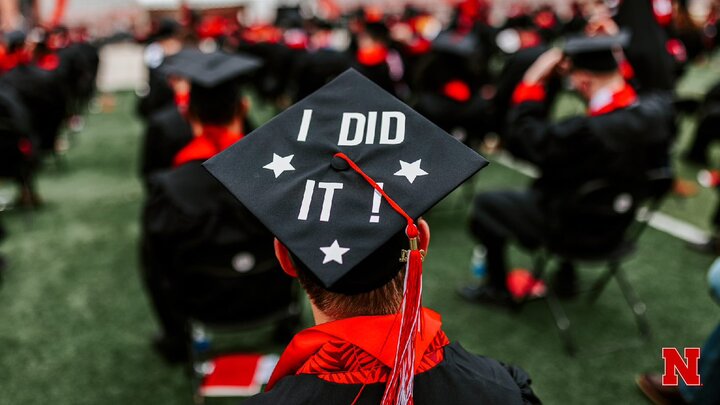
(226, 291)
(603, 205)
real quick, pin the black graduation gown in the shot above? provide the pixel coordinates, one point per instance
(14, 130)
(82, 61)
(460, 379)
(620, 147)
(193, 231)
(44, 95)
(654, 67)
(438, 69)
(706, 131)
(159, 95)
(315, 69)
(511, 75)
(166, 133)
(274, 79)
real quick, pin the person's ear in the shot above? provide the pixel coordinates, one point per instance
(195, 124)
(424, 230)
(244, 107)
(283, 257)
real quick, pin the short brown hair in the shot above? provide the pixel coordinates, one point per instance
(384, 300)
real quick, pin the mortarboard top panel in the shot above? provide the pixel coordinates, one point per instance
(210, 69)
(465, 45)
(285, 173)
(580, 44)
(596, 53)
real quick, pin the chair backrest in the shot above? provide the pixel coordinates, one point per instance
(602, 213)
(659, 184)
(234, 284)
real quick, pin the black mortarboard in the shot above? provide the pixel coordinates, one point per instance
(336, 178)
(464, 45)
(210, 70)
(15, 40)
(289, 17)
(165, 28)
(324, 212)
(597, 53)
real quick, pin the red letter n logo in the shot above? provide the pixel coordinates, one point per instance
(676, 365)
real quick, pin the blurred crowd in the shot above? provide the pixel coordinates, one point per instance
(47, 79)
(492, 85)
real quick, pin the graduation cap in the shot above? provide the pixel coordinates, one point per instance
(210, 70)
(597, 53)
(464, 45)
(215, 80)
(165, 28)
(15, 40)
(289, 17)
(337, 176)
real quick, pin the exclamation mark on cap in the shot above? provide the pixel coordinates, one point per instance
(377, 198)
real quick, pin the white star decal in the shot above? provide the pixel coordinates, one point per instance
(334, 253)
(280, 165)
(411, 170)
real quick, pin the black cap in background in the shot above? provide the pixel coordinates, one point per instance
(596, 54)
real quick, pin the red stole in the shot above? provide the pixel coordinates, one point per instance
(323, 350)
(212, 141)
(49, 62)
(372, 55)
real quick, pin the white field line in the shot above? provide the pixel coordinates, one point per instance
(660, 221)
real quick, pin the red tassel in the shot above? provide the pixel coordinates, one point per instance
(399, 387)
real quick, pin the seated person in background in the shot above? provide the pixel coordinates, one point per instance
(3, 262)
(165, 42)
(374, 342)
(708, 367)
(622, 137)
(187, 210)
(167, 131)
(711, 245)
(706, 132)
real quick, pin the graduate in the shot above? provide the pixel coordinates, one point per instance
(190, 222)
(167, 130)
(19, 157)
(621, 138)
(341, 179)
(165, 42)
(448, 85)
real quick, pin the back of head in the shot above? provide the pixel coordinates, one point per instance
(215, 82)
(596, 54)
(373, 287)
(217, 105)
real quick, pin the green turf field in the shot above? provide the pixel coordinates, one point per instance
(75, 324)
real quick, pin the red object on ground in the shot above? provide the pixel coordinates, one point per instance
(237, 375)
(521, 282)
(709, 178)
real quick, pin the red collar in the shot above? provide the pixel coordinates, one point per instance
(12, 60)
(606, 102)
(212, 141)
(182, 101)
(372, 55)
(419, 46)
(457, 90)
(48, 62)
(375, 336)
